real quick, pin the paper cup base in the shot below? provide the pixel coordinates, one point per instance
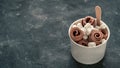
(87, 56)
(88, 63)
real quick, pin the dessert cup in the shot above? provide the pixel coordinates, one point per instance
(88, 55)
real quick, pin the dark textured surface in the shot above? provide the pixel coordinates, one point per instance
(33, 33)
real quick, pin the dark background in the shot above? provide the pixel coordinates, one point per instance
(34, 33)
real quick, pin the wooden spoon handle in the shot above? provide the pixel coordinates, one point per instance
(98, 14)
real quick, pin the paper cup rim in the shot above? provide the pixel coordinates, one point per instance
(85, 46)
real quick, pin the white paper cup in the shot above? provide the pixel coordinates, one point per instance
(88, 55)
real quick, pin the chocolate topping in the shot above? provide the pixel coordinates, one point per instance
(76, 34)
(96, 36)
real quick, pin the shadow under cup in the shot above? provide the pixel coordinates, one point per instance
(88, 55)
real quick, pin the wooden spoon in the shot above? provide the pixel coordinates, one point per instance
(98, 14)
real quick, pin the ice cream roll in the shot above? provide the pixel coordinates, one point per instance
(88, 19)
(83, 42)
(105, 33)
(96, 36)
(76, 34)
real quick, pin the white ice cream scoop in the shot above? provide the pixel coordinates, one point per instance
(88, 28)
(79, 25)
(91, 44)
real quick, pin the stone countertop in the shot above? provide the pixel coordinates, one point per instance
(34, 33)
